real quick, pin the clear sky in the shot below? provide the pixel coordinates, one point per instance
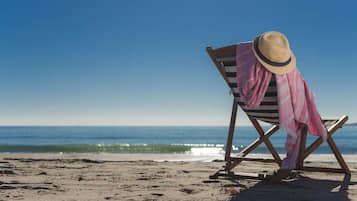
(132, 62)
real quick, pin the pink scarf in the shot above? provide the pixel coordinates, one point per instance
(252, 78)
(296, 102)
(297, 108)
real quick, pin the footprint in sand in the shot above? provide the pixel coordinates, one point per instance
(157, 194)
(7, 172)
(7, 187)
(210, 181)
(187, 190)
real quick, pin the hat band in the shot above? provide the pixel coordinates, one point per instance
(266, 60)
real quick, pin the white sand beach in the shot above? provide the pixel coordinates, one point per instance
(160, 177)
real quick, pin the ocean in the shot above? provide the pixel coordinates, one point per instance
(193, 140)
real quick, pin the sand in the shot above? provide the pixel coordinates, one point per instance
(55, 177)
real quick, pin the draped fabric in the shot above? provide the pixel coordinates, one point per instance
(296, 103)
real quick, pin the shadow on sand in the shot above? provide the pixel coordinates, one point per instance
(301, 188)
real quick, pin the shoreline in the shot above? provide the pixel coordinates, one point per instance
(162, 157)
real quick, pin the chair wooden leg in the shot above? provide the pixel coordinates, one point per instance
(300, 162)
(227, 168)
(312, 147)
(330, 131)
(266, 140)
(344, 168)
(338, 155)
(231, 134)
(254, 145)
(345, 183)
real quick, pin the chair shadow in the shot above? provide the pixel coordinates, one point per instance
(299, 189)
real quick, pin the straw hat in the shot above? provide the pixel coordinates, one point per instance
(273, 52)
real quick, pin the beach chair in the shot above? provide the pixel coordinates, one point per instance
(225, 60)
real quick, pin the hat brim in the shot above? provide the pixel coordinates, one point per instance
(274, 69)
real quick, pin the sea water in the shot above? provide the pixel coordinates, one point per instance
(196, 140)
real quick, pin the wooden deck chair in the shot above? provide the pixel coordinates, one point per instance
(225, 60)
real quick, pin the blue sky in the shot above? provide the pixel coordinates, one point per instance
(135, 62)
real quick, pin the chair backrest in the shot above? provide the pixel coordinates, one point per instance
(225, 60)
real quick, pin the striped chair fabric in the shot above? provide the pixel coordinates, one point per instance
(268, 110)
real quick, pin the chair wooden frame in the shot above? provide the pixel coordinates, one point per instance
(331, 125)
